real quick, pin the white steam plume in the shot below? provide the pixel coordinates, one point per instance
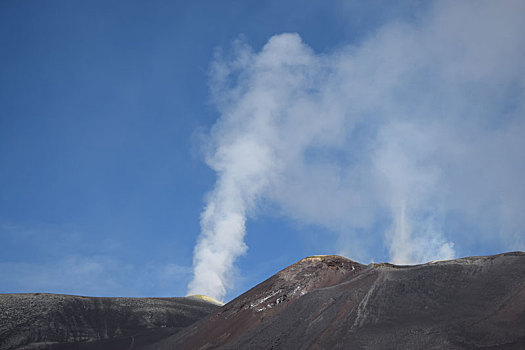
(413, 140)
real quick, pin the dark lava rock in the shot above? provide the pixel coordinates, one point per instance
(54, 321)
(329, 302)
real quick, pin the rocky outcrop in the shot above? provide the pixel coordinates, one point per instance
(53, 321)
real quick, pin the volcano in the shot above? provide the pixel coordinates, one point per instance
(320, 302)
(330, 302)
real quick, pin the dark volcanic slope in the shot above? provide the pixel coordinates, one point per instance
(54, 321)
(331, 302)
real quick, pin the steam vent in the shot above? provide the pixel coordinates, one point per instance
(320, 302)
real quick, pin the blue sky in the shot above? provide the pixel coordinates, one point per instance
(117, 117)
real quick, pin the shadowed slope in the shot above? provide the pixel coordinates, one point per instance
(331, 302)
(54, 321)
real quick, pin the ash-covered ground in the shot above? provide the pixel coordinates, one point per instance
(54, 321)
(321, 302)
(330, 302)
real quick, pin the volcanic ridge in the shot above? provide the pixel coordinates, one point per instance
(63, 322)
(322, 302)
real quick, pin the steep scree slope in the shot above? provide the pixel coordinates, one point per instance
(329, 302)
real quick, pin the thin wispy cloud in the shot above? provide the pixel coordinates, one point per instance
(418, 129)
(93, 275)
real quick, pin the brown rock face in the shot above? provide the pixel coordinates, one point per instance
(266, 300)
(330, 302)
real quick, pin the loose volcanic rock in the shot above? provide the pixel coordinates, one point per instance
(329, 302)
(320, 302)
(265, 301)
(54, 321)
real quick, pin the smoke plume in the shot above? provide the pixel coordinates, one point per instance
(411, 140)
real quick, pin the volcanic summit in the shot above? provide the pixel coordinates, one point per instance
(330, 302)
(320, 302)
